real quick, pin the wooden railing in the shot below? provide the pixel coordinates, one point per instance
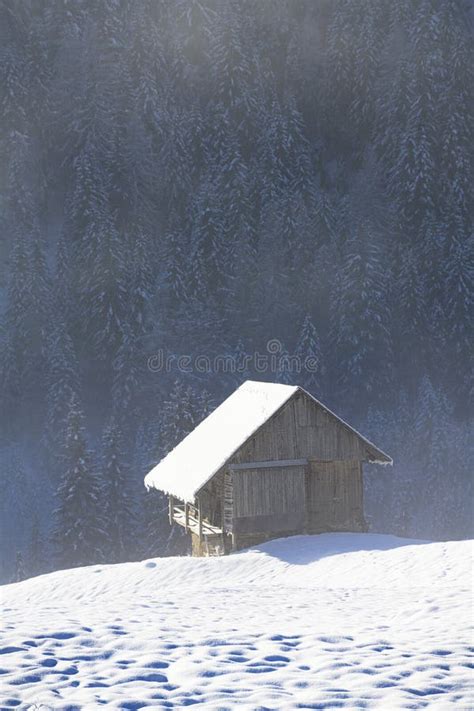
(189, 516)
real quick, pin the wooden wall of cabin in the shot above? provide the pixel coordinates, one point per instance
(334, 497)
(302, 429)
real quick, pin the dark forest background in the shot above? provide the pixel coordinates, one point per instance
(201, 177)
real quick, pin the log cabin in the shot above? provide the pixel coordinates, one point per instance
(270, 461)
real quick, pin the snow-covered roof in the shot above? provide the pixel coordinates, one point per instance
(200, 455)
(207, 448)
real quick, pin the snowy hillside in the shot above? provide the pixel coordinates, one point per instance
(332, 621)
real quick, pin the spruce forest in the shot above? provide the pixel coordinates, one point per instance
(217, 179)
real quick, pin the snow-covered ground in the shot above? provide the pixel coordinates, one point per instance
(332, 621)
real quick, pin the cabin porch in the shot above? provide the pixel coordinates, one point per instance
(207, 538)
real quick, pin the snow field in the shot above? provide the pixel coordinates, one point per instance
(333, 621)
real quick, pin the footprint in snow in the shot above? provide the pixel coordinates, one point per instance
(156, 665)
(259, 669)
(277, 658)
(48, 662)
(57, 635)
(28, 679)
(154, 677)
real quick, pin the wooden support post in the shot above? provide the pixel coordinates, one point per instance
(170, 508)
(186, 516)
(199, 520)
(307, 474)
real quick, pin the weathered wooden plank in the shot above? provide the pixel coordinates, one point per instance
(228, 501)
(270, 524)
(269, 464)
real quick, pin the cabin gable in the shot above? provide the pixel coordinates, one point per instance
(303, 428)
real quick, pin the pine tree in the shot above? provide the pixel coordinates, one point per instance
(38, 327)
(119, 509)
(308, 350)
(283, 153)
(340, 63)
(413, 326)
(127, 373)
(141, 285)
(14, 96)
(18, 500)
(181, 413)
(208, 270)
(242, 364)
(460, 487)
(393, 106)
(360, 334)
(36, 559)
(90, 75)
(287, 367)
(220, 213)
(324, 217)
(14, 361)
(16, 317)
(79, 533)
(147, 62)
(104, 288)
(177, 130)
(19, 573)
(152, 508)
(432, 433)
(27, 321)
(64, 283)
(176, 260)
(368, 41)
(63, 384)
(230, 66)
(458, 317)
(456, 102)
(275, 292)
(242, 309)
(205, 404)
(377, 489)
(87, 202)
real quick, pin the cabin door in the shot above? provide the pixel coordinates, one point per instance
(269, 500)
(333, 495)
